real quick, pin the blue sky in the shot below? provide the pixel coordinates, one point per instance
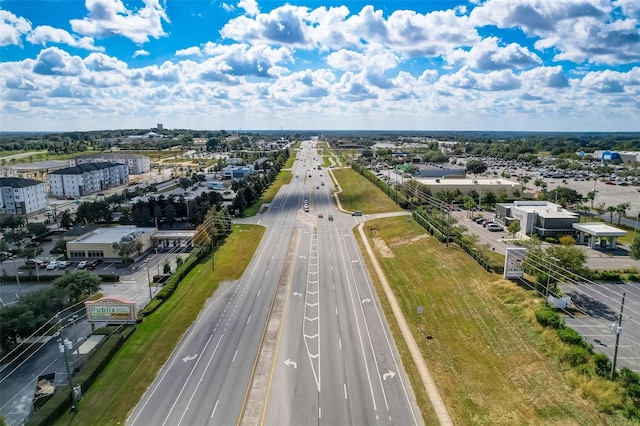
(531, 65)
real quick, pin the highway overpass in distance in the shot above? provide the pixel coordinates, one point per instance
(334, 362)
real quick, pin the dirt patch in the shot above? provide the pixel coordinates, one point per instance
(404, 241)
(382, 247)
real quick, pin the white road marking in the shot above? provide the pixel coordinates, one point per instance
(345, 391)
(214, 409)
(259, 291)
(248, 319)
(340, 342)
(234, 356)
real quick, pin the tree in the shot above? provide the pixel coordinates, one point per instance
(170, 215)
(621, 210)
(476, 167)
(611, 210)
(514, 228)
(78, 284)
(166, 268)
(469, 203)
(184, 183)
(66, 221)
(38, 230)
(126, 249)
(538, 183)
(634, 250)
(591, 196)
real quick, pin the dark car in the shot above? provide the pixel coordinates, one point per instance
(331, 217)
(94, 263)
(356, 213)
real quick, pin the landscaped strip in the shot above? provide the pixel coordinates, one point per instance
(485, 356)
(136, 365)
(360, 194)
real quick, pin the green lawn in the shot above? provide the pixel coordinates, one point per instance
(360, 194)
(284, 178)
(131, 371)
(486, 357)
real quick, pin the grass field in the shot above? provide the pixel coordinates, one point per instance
(486, 357)
(284, 177)
(131, 371)
(360, 194)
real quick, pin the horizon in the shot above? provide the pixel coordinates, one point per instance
(448, 65)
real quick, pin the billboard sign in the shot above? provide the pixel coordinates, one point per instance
(513, 262)
(114, 310)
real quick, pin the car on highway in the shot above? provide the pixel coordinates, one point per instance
(356, 213)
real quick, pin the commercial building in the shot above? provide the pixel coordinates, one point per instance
(21, 196)
(99, 243)
(85, 179)
(622, 156)
(481, 186)
(237, 172)
(137, 164)
(441, 171)
(540, 218)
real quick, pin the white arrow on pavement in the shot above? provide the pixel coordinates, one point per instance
(289, 363)
(190, 358)
(366, 300)
(295, 293)
(388, 375)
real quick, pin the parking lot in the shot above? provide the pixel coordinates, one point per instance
(601, 303)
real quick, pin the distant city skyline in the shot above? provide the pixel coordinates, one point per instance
(494, 65)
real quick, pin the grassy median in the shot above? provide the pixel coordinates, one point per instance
(485, 356)
(133, 369)
(360, 194)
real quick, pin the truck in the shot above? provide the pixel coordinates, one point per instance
(45, 388)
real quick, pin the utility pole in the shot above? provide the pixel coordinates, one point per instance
(64, 345)
(617, 328)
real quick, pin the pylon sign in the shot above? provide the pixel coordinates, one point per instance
(514, 261)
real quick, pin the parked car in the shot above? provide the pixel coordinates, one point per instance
(494, 227)
(64, 264)
(52, 265)
(82, 264)
(94, 264)
(481, 220)
(331, 217)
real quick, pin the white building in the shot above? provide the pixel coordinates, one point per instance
(85, 179)
(21, 196)
(99, 243)
(137, 164)
(481, 186)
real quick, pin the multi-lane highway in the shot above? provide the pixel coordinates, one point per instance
(334, 360)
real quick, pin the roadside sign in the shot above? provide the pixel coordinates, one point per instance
(420, 310)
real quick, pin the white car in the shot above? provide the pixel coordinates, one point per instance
(82, 264)
(52, 265)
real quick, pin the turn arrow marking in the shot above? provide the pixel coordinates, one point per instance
(190, 358)
(289, 363)
(297, 294)
(366, 300)
(388, 375)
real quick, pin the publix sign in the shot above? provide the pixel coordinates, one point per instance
(115, 310)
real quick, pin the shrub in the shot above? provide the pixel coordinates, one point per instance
(105, 331)
(570, 336)
(548, 317)
(634, 277)
(602, 364)
(576, 355)
(629, 377)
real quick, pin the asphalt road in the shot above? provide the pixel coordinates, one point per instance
(601, 305)
(335, 362)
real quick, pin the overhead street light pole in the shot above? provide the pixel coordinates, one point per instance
(617, 328)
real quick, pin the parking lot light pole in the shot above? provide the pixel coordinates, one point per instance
(635, 228)
(146, 264)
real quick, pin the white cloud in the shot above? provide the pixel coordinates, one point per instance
(44, 34)
(100, 62)
(409, 33)
(112, 18)
(55, 61)
(190, 51)
(140, 52)
(492, 81)
(12, 28)
(580, 30)
(250, 7)
(487, 55)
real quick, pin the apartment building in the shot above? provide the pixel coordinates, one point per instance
(137, 164)
(84, 179)
(21, 196)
